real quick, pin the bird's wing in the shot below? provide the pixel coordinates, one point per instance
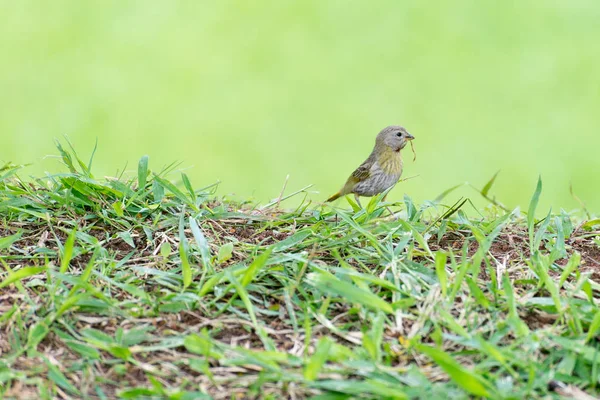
(360, 174)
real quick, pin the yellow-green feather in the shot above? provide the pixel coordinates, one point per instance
(390, 161)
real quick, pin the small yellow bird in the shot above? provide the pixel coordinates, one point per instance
(382, 169)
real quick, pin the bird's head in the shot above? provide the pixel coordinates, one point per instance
(394, 137)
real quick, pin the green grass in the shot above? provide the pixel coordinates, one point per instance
(140, 287)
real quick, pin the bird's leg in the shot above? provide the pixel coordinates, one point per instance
(357, 200)
(395, 216)
(389, 209)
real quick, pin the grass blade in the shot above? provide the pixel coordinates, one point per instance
(255, 267)
(488, 185)
(531, 211)
(186, 270)
(328, 283)
(142, 172)
(468, 380)
(202, 244)
(21, 274)
(317, 360)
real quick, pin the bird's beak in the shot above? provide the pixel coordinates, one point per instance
(409, 136)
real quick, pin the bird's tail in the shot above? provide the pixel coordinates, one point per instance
(334, 197)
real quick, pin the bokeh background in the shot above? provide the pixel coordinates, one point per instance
(249, 92)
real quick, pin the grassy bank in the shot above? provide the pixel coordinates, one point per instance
(133, 288)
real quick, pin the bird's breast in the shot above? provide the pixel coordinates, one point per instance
(390, 163)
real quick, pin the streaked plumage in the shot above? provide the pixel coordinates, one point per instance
(382, 169)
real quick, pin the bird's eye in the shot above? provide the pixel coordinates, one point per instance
(399, 134)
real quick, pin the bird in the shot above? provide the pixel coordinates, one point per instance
(382, 169)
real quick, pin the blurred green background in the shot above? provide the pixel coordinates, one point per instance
(248, 92)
